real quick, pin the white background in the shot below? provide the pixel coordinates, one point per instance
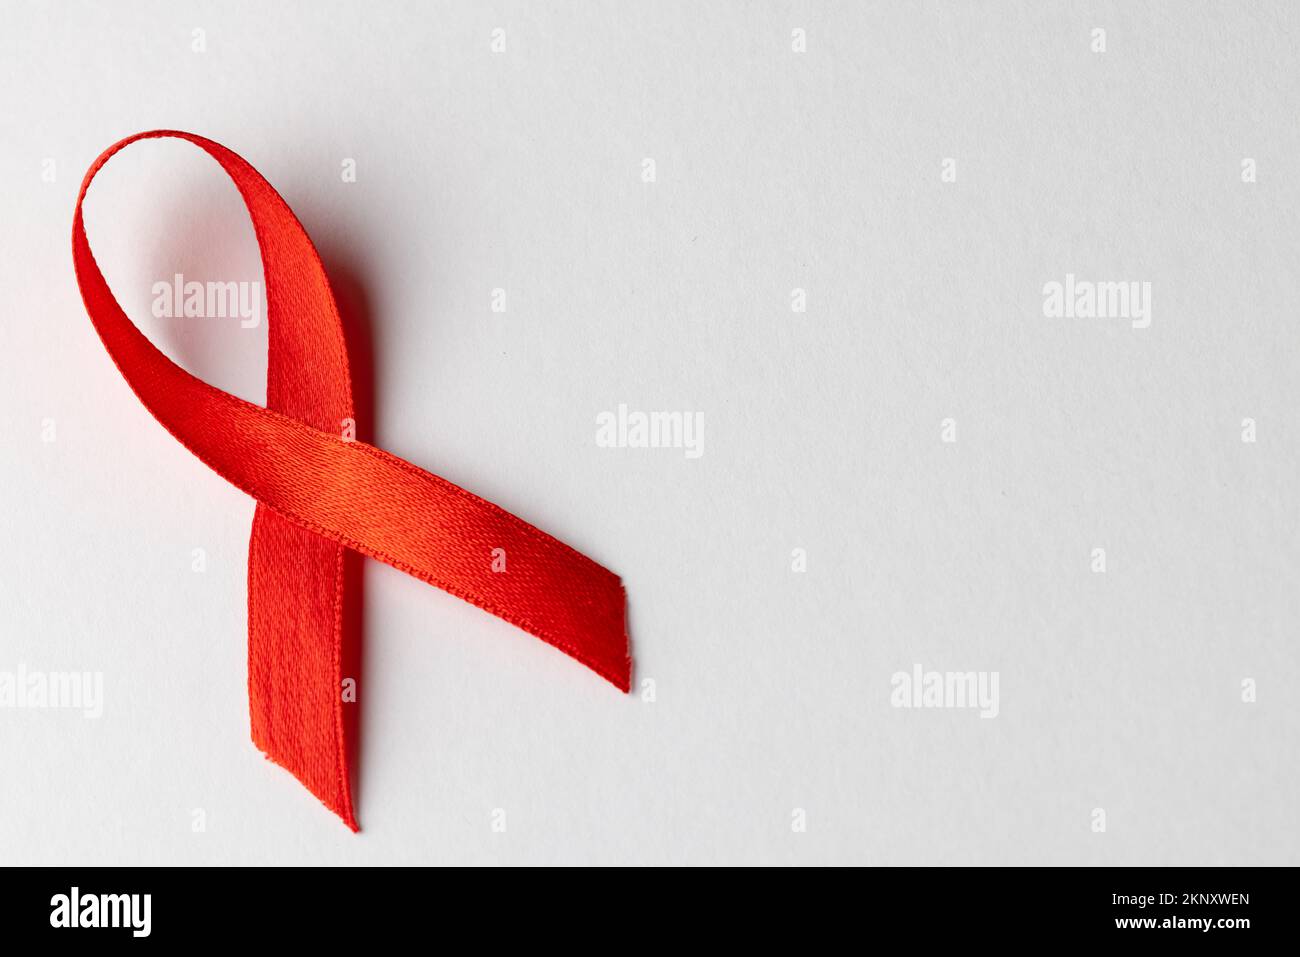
(775, 170)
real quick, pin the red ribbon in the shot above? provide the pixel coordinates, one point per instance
(319, 494)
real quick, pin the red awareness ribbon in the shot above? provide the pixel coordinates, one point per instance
(319, 494)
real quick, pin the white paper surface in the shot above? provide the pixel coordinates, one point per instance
(774, 170)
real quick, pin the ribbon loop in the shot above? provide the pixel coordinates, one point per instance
(319, 494)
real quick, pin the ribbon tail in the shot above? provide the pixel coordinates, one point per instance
(296, 651)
